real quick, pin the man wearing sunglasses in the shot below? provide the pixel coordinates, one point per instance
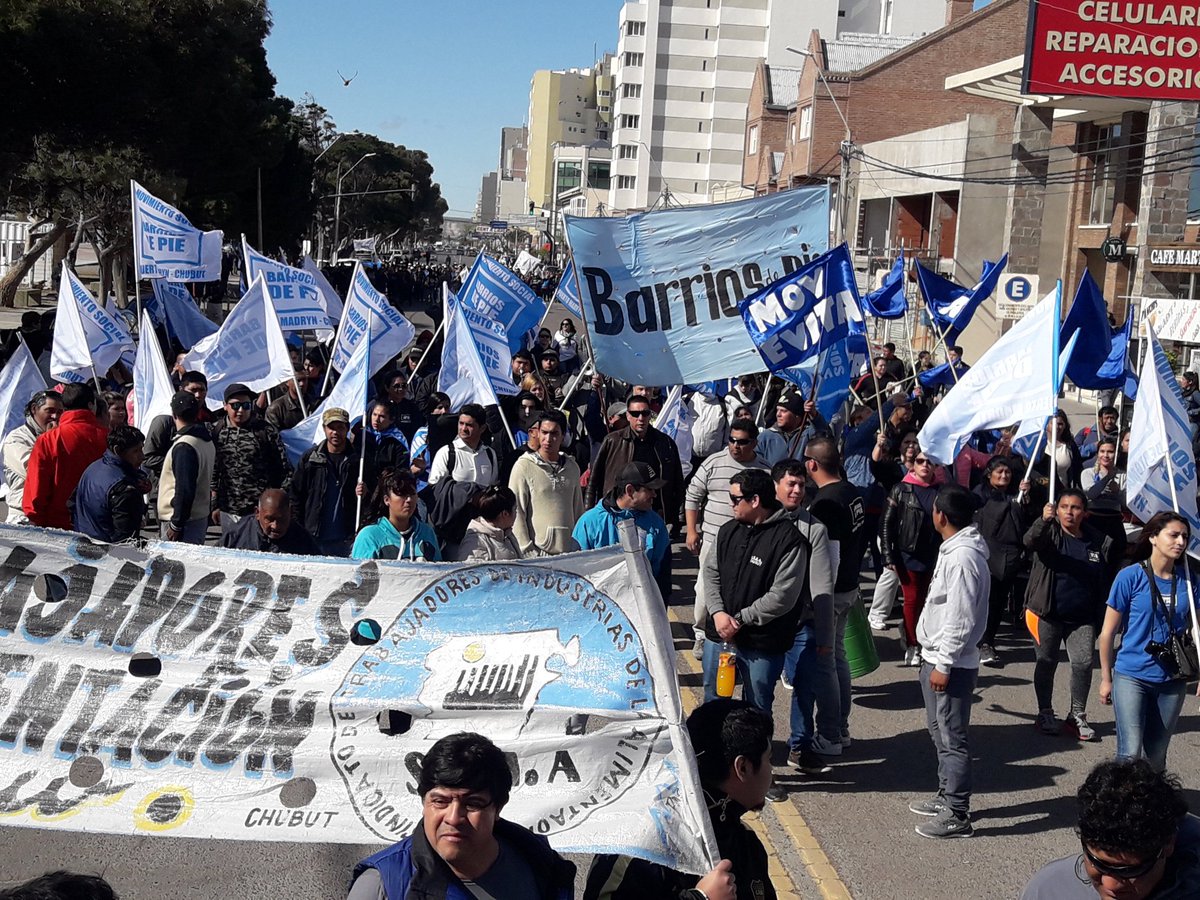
(250, 459)
(1137, 840)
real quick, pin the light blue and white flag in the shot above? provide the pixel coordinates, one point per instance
(660, 289)
(349, 393)
(1010, 383)
(476, 360)
(333, 302)
(249, 348)
(1160, 439)
(298, 300)
(499, 295)
(20, 379)
(152, 387)
(87, 340)
(567, 292)
(183, 318)
(168, 245)
(673, 420)
(390, 330)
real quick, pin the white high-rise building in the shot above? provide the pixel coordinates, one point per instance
(683, 73)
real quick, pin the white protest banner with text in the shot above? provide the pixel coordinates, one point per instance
(179, 691)
(168, 245)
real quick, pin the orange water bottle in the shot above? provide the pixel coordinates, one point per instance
(726, 670)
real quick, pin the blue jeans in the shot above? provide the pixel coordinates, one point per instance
(814, 680)
(1146, 713)
(757, 671)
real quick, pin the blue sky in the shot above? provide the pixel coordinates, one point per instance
(443, 77)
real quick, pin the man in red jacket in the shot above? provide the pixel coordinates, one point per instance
(57, 463)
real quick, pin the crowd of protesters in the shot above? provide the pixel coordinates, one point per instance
(784, 510)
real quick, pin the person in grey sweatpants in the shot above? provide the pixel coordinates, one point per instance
(949, 630)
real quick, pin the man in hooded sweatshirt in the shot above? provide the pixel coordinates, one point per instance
(949, 630)
(633, 497)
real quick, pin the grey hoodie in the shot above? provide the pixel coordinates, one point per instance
(955, 614)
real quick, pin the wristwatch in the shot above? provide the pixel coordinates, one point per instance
(737, 617)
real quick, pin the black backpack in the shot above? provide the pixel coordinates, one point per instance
(448, 503)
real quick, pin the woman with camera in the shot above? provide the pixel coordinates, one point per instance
(1146, 678)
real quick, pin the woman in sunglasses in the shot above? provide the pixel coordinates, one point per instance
(568, 348)
(910, 543)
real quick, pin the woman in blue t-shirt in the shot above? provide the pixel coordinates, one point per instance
(1146, 695)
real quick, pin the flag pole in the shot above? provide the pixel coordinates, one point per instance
(362, 453)
(337, 337)
(1055, 339)
(137, 275)
(507, 428)
(585, 372)
(1037, 448)
(299, 395)
(758, 416)
(96, 381)
(428, 347)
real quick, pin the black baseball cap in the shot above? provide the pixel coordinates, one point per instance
(237, 389)
(639, 475)
(184, 405)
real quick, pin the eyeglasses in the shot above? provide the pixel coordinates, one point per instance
(922, 462)
(741, 442)
(1124, 873)
(240, 405)
(735, 499)
(640, 414)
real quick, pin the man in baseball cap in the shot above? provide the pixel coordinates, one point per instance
(325, 487)
(632, 497)
(796, 421)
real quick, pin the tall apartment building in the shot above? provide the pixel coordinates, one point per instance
(682, 78)
(568, 107)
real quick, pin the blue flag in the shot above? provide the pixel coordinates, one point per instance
(567, 292)
(1100, 361)
(796, 317)
(888, 302)
(941, 376)
(499, 295)
(835, 370)
(184, 320)
(951, 305)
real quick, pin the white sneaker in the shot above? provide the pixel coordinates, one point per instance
(909, 654)
(824, 747)
(877, 625)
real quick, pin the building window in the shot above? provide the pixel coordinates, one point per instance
(603, 93)
(704, 65)
(1104, 175)
(635, 29)
(570, 173)
(628, 121)
(792, 132)
(627, 151)
(702, 96)
(633, 59)
(700, 128)
(598, 174)
(752, 140)
(626, 182)
(631, 91)
(806, 123)
(706, 34)
(697, 157)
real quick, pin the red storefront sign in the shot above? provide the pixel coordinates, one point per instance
(1114, 48)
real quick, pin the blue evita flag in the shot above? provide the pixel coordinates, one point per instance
(183, 318)
(889, 302)
(835, 368)
(499, 295)
(567, 292)
(942, 376)
(951, 305)
(796, 317)
(661, 289)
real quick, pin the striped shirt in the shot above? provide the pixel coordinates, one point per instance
(709, 490)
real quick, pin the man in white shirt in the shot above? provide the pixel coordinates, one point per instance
(473, 460)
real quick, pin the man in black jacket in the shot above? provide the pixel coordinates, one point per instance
(751, 585)
(109, 504)
(325, 487)
(271, 529)
(732, 742)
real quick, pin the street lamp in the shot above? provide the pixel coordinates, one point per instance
(337, 202)
(847, 146)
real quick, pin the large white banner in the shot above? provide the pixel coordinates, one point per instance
(1173, 320)
(185, 691)
(168, 245)
(661, 289)
(390, 330)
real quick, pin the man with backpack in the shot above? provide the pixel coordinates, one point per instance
(467, 457)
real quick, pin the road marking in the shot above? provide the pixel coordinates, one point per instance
(803, 841)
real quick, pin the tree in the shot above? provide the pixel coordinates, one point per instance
(390, 193)
(174, 93)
